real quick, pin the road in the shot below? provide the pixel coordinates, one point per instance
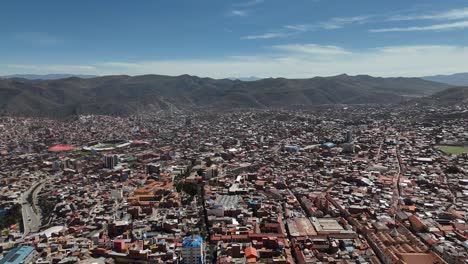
(397, 178)
(377, 156)
(31, 219)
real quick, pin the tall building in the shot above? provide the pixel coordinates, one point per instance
(111, 161)
(153, 168)
(56, 165)
(349, 137)
(193, 250)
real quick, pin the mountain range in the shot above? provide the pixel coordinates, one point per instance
(125, 95)
(457, 79)
(46, 76)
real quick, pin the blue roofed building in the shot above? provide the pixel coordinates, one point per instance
(329, 145)
(290, 148)
(20, 255)
(193, 250)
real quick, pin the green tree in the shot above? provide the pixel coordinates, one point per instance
(12, 216)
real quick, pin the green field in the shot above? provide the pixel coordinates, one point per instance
(452, 149)
(103, 145)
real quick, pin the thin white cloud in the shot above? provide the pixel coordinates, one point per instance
(454, 14)
(289, 30)
(340, 22)
(299, 27)
(435, 27)
(240, 13)
(269, 35)
(331, 24)
(249, 3)
(243, 9)
(416, 49)
(419, 60)
(312, 49)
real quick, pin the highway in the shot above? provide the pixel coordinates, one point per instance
(31, 219)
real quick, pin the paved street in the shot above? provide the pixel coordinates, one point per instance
(31, 219)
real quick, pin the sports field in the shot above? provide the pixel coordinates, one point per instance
(103, 146)
(452, 149)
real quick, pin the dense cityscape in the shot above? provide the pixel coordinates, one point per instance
(234, 132)
(336, 184)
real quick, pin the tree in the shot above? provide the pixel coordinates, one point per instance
(452, 170)
(209, 162)
(12, 216)
(200, 172)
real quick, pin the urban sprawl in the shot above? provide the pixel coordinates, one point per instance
(338, 184)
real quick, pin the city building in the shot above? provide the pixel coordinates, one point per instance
(193, 250)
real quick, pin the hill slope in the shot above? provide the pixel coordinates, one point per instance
(453, 95)
(123, 95)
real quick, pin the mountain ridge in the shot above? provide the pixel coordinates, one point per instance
(457, 79)
(125, 95)
(51, 76)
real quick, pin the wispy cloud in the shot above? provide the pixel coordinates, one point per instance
(269, 35)
(434, 27)
(299, 27)
(249, 3)
(240, 13)
(454, 14)
(333, 23)
(414, 49)
(339, 22)
(449, 16)
(243, 9)
(312, 49)
(289, 30)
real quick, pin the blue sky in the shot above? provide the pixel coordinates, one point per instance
(221, 38)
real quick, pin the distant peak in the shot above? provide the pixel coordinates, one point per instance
(343, 75)
(245, 79)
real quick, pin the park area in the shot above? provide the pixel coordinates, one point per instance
(452, 149)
